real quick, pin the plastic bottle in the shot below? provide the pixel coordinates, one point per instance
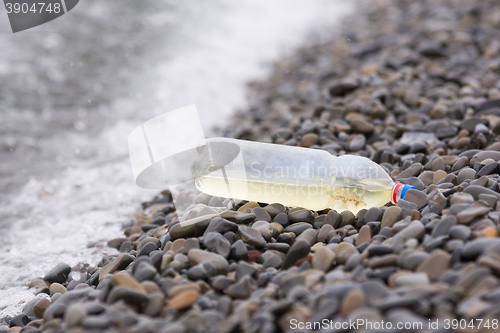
(293, 176)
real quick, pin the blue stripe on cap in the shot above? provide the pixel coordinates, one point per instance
(405, 189)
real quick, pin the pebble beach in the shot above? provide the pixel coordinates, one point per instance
(413, 86)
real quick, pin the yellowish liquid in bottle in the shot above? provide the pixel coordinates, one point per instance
(358, 195)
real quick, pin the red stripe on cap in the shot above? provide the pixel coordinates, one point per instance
(395, 192)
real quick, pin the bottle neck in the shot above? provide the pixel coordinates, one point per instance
(399, 191)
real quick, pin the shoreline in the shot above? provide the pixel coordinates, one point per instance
(399, 69)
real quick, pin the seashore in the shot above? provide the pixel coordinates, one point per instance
(412, 85)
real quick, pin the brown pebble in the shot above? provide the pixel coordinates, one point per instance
(309, 140)
(391, 216)
(365, 235)
(181, 288)
(183, 300)
(125, 279)
(438, 175)
(57, 288)
(247, 208)
(436, 265)
(38, 283)
(150, 287)
(323, 259)
(40, 307)
(361, 126)
(353, 299)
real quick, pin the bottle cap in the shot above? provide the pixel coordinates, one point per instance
(405, 189)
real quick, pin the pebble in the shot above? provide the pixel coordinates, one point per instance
(215, 242)
(426, 177)
(361, 126)
(438, 176)
(298, 250)
(147, 249)
(126, 280)
(411, 171)
(281, 218)
(197, 256)
(324, 232)
(391, 216)
(233, 216)
(274, 209)
(353, 299)
(238, 251)
(323, 259)
(261, 214)
(129, 296)
(243, 288)
(58, 274)
(301, 215)
(357, 142)
(333, 218)
(310, 236)
(346, 218)
(251, 236)
(264, 228)
(373, 214)
(309, 140)
(119, 263)
(417, 197)
(467, 215)
(465, 174)
(220, 225)
(146, 271)
(460, 232)
(298, 228)
(365, 235)
(414, 230)
(475, 191)
(74, 315)
(461, 198)
(183, 300)
(183, 230)
(245, 268)
(436, 201)
(410, 260)
(477, 247)
(436, 265)
(490, 232)
(40, 307)
(57, 288)
(405, 279)
(273, 260)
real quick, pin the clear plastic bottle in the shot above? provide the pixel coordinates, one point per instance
(293, 176)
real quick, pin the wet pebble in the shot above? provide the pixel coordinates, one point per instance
(58, 274)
